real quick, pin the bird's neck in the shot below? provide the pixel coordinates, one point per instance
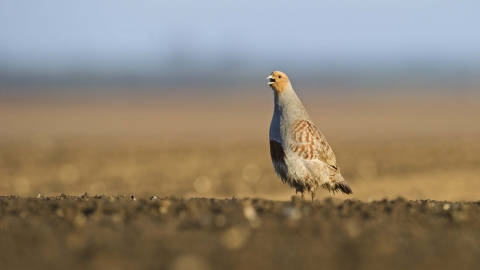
(287, 102)
(287, 110)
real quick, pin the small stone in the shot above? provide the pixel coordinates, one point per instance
(220, 221)
(189, 262)
(291, 213)
(234, 238)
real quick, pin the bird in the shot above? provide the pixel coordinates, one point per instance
(300, 154)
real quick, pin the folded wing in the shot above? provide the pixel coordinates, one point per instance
(309, 143)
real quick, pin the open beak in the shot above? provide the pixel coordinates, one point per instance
(272, 80)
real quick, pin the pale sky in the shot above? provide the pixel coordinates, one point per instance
(51, 33)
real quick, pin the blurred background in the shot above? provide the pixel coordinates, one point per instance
(216, 43)
(170, 98)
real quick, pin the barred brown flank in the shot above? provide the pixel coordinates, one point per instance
(300, 153)
(308, 139)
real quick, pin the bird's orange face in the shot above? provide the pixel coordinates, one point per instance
(278, 81)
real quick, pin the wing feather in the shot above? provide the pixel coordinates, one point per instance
(309, 143)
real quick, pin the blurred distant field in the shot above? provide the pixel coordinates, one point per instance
(417, 145)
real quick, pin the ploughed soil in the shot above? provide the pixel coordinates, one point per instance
(420, 148)
(123, 232)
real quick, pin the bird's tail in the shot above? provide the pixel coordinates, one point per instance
(337, 184)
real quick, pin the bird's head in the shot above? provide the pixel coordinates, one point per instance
(278, 81)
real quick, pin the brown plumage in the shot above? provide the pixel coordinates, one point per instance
(300, 153)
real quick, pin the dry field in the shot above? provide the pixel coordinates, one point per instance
(415, 146)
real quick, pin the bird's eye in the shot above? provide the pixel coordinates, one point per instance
(279, 76)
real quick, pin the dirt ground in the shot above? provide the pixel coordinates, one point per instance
(125, 233)
(186, 182)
